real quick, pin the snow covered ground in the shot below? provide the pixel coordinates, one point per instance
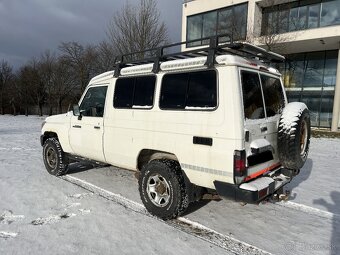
(42, 214)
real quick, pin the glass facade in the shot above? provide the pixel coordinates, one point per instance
(231, 20)
(310, 78)
(300, 15)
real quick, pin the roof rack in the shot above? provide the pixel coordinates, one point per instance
(216, 47)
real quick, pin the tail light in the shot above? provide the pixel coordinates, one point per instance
(240, 169)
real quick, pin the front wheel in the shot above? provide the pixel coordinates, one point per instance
(162, 189)
(55, 159)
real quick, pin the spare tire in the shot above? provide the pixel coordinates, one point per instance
(293, 135)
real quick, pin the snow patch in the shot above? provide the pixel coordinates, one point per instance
(84, 211)
(80, 196)
(72, 205)
(52, 219)
(17, 149)
(291, 114)
(7, 235)
(8, 217)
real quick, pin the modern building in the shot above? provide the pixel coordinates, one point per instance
(306, 32)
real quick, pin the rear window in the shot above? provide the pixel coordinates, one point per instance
(134, 92)
(273, 95)
(196, 90)
(252, 95)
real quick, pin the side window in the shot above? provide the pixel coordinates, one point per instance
(202, 91)
(134, 92)
(273, 95)
(94, 102)
(196, 90)
(173, 92)
(144, 91)
(124, 93)
(252, 95)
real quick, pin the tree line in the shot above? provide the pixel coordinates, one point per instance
(52, 82)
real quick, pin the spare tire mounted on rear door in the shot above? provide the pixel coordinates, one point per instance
(293, 135)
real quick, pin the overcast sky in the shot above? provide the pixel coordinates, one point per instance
(28, 27)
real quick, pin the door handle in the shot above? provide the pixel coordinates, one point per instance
(96, 127)
(264, 129)
(76, 126)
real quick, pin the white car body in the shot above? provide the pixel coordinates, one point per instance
(121, 136)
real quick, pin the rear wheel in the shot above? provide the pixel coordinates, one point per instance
(294, 135)
(162, 189)
(55, 160)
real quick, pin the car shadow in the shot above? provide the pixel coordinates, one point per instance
(79, 167)
(304, 174)
(195, 206)
(334, 208)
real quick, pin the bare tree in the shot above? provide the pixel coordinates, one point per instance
(137, 28)
(106, 56)
(6, 75)
(36, 87)
(271, 30)
(64, 85)
(24, 87)
(80, 60)
(47, 63)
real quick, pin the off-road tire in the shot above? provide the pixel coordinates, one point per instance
(294, 135)
(55, 160)
(171, 172)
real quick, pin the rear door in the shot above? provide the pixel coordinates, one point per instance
(274, 99)
(260, 131)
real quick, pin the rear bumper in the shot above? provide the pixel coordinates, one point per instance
(256, 190)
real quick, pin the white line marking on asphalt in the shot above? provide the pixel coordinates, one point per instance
(309, 210)
(190, 227)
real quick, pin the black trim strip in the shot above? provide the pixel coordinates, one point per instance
(203, 140)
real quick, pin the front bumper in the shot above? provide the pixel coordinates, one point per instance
(255, 190)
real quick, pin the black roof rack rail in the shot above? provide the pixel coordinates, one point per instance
(216, 47)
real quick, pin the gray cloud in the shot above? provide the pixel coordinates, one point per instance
(28, 27)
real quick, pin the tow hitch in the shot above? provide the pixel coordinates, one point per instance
(280, 196)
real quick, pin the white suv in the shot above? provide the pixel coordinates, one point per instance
(209, 120)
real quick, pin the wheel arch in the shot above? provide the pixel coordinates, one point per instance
(47, 135)
(147, 155)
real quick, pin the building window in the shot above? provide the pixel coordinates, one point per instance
(190, 91)
(300, 15)
(310, 78)
(231, 20)
(134, 92)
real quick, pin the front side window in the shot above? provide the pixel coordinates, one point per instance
(252, 95)
(134, 92)
(196, 90)
(94, 102)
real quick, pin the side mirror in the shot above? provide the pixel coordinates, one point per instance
(76, 111)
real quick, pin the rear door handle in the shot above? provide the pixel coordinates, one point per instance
(76, 126)
(264, 129)
(96, 127)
